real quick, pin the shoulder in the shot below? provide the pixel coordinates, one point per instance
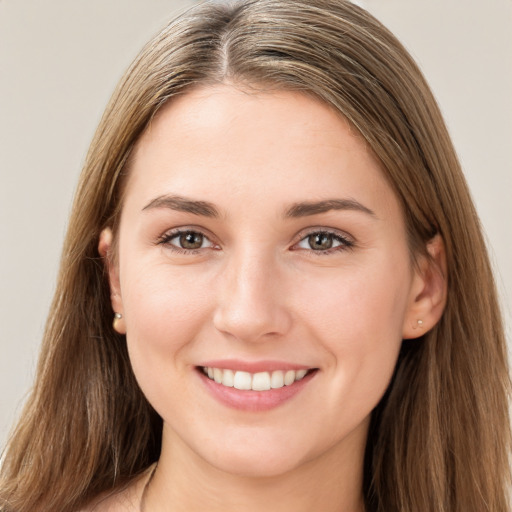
(126, 499)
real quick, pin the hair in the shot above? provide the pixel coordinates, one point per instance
(440, 438)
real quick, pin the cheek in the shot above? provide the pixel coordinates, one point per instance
(359, 323)
(358, 305)
(164, 312)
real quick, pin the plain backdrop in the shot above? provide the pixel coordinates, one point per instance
(60, 61)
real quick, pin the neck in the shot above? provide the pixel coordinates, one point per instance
(183, 481)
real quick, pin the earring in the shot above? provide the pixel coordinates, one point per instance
(117, 317)
(419, 324)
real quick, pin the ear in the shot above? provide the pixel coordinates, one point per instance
(105, 250)
(427, 299)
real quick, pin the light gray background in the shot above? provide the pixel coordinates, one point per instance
(60, 60)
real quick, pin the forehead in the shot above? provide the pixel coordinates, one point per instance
(228, 142)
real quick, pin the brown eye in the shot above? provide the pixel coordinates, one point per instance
(187, 240)
(320, 241)
(324, 242)
(191, 240)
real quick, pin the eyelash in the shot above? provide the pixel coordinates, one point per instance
(166, 238)
(345, 243)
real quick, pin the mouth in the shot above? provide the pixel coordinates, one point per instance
(260, 381)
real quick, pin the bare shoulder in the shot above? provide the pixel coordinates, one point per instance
(126, 499)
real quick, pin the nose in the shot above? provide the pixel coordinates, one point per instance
(251, 300)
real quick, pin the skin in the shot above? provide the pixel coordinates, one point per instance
(257, 289)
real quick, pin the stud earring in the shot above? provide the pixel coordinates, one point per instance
(419, 324)
(117, 317)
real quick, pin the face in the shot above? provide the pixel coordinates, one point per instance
(264, 279)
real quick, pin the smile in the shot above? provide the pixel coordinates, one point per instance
(261, 381)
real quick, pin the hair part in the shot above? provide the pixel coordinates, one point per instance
(440, 438)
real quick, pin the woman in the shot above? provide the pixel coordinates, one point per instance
(274, 287)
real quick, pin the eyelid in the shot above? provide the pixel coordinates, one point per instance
(168, 235)
(348, 241)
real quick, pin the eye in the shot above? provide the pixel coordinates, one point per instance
(186, 240)
(324, 241)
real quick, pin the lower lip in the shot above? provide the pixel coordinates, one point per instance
(256, 401)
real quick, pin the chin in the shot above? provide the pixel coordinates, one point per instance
(255, 465)
(257, 457)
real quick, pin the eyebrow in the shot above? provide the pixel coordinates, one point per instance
(182, 204)
(305, 209)
(297, 210)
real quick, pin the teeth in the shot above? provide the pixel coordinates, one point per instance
(277, 380)
(228, 378)
(300, 374)
(261, 381)
(242, 380)
(217, 375)
(289, 377)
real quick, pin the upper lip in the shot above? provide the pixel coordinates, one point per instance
(253, 366)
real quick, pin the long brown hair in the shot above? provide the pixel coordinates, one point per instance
(440, 438)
